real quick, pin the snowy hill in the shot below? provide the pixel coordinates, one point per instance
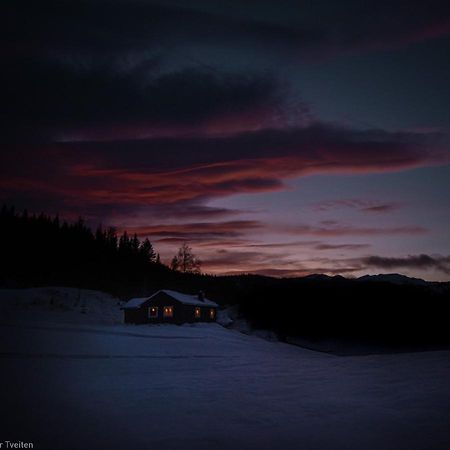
(60, 305)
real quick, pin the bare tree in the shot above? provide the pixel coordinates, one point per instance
(185, 261)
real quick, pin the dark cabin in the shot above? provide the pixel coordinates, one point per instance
(170, 307)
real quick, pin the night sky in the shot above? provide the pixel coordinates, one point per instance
(275, 137)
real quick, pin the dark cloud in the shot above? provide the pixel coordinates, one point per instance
(49, 101)
(316, 245)
(177, 173)
(190, 211)
(300, 27)
(332, 230)
(204, 242)
(385, 207)
(422, 262)
(363, 205)
(286, 244)
(325, 246)
(318, 147)
(200, 231)
(225, 259)
(116, 69)
(353, 26)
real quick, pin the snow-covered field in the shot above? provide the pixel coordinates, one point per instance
(73, 377)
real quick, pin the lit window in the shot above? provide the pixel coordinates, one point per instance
(153, 311)
(212, 313)
(198, 313)
(168, 311)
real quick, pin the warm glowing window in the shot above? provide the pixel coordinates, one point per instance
(168, 311)
(198, 313)
(153, 311)
(212, 313)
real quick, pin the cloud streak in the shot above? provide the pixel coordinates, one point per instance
(362, 205)
(199, 230)
(423, 262)
(335, 230)
(161, 172)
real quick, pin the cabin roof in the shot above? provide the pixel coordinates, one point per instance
(135, 302)
(185, 299)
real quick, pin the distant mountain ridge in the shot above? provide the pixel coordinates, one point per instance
(393, 278)
(396, 278)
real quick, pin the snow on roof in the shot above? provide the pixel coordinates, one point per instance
(186, 299)
(135, 302)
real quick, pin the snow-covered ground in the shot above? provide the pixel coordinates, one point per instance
(73, 377)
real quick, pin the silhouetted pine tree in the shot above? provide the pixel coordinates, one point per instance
(147, 251)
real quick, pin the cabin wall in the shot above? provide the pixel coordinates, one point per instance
(134, 316)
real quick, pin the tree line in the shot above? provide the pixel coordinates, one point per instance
(41, 249)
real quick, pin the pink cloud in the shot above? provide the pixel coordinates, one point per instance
(171, 176)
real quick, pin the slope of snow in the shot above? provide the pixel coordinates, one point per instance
(59, 304)
(82, 384)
